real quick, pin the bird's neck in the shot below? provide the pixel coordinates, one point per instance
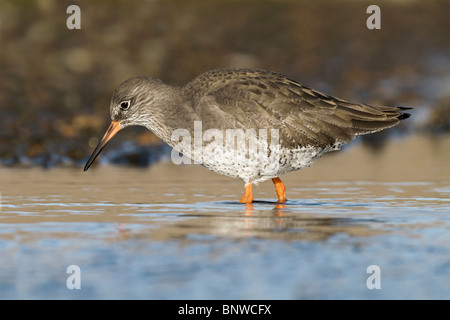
(173, 113)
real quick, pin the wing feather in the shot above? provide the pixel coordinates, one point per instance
(245, 98)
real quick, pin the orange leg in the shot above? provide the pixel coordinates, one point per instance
(280, 189)
(248, 195)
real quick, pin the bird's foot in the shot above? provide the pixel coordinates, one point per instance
(280, 189)
(248, 194)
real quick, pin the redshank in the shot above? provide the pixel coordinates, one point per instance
(305, 123)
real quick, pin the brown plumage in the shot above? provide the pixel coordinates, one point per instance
(307, 122)
(250, 98)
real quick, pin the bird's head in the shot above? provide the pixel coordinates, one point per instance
(134, 103)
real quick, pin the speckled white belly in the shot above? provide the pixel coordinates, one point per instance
(258, 169)
(256, 162)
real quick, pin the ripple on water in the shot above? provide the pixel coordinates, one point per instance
(182, 243)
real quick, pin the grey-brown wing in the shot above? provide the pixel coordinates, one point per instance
(304, 117)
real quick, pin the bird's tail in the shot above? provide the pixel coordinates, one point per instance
(367, 119)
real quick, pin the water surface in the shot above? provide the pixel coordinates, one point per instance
(178, 232)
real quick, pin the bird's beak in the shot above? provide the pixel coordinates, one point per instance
(112, 130)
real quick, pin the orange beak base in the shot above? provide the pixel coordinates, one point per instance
(112, 130)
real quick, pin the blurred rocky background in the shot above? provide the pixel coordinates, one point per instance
(55, 83)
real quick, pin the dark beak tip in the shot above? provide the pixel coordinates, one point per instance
(86, 167)
(112, 130)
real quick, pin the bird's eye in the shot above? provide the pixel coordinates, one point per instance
(124, 105)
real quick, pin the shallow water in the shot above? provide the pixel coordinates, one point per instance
(177, 232)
